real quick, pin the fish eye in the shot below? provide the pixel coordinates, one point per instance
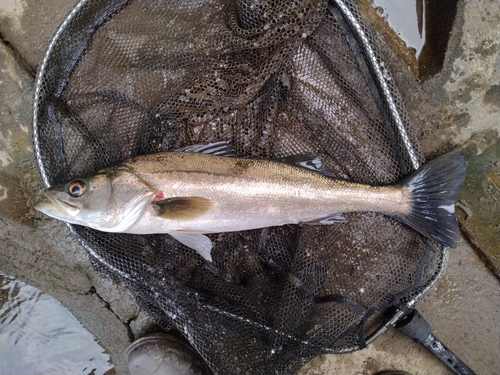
(76, 188)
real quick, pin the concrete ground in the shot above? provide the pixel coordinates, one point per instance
(457, 108)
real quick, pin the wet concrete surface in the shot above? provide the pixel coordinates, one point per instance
(456, 108)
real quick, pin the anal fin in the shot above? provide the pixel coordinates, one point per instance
(328, 220)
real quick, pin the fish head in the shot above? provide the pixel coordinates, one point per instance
(110, 201)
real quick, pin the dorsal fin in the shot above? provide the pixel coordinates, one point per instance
(220, 148)
(312, 162)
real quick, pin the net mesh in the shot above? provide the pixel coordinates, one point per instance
(277, 78)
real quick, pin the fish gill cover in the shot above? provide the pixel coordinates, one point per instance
(276, 78)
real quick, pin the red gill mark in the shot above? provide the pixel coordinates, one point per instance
(159, 195)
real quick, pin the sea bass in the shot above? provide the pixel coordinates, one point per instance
(200, 190)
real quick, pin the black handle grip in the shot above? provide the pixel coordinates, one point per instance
(416, 327)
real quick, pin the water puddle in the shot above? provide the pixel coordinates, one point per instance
(406, 17)
(424, 27)
(39, 336)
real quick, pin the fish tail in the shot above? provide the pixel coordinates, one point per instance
(434, 188)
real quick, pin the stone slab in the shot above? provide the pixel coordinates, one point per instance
(463, 101)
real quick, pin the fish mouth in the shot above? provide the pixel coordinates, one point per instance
(57, 208)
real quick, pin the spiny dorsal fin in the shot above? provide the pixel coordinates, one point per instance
(220, 148)
(312, 162)
(183, 208)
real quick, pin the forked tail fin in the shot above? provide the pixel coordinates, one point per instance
(434, 189)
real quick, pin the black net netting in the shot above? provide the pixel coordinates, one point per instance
(277, 78)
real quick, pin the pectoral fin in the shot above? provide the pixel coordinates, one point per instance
(182, 208)
(195, 241)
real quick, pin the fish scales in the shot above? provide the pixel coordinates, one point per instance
(253, 193)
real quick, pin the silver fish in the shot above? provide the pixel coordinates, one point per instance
(200, 190)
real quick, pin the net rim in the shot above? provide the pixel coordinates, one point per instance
(382, 77)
